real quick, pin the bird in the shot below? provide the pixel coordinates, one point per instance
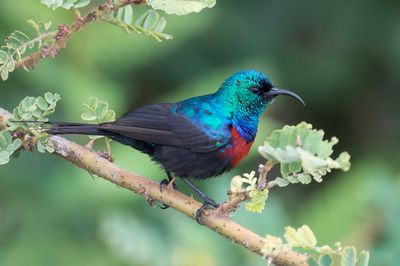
(197, 138)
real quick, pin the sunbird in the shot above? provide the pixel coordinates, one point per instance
(197, 138)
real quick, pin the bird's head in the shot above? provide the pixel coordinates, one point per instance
(252, 90)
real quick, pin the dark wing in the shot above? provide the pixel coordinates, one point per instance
(157, 124)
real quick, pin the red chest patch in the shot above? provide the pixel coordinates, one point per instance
(239, 149)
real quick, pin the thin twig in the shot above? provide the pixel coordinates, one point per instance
(262, 179)
(65, 32)
(236, 198)
(150, 191)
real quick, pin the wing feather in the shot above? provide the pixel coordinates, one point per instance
(158, 124)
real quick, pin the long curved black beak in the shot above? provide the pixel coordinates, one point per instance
(275, 92)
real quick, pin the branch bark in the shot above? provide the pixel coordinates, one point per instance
(150, 191)
(65, 32)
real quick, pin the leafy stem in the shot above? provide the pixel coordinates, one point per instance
(64, 33)
(19, 51)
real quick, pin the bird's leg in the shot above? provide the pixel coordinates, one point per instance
(207, 202)
(165, 183)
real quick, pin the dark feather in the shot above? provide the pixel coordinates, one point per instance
(169, 137)
(159, 124)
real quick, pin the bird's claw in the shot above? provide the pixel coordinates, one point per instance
(207, 204)
(163, 184)
(164, 206)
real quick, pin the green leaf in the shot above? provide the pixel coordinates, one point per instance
(257, 200)
(109, 116)
(49, 97)
(67, 4)
(293, 179)
(93, 102)
(16, 44)
(102, 110)
(302, 153)
(88, 116)
(15, 145)
(344, 161)
(312, 262)
(302, 237)
(50, 148)
(7, 146)
(310, 162)
(285, 169)
(272, 246)
(39, 27)
(181, 7)
(10, 64)
(304, 179)
(34, 108)
(284, 137)
(160, 25)
(4, 157)
(148, 20)
(41, 103)
(4, 73)
(45, 144)
(34, 25)
(312, 141)
(280, 182)
(149, 24)
(295, 167)
(81, 3)
(5, 139)
(40, 147)
(325, 260)
(125, 14)
(348, 256)
(3, 57)
(97, 110)
(52, 3)
(363, 259)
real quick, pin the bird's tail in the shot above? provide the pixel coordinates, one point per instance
(59, 128)
(74, 128)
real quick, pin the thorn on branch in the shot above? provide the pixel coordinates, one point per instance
(63, 31)
(89, 145)
(106, 155)
(263, 170)
(78, 16)
(29, 64)
(232, 204)
(90, 17)
(48, 51)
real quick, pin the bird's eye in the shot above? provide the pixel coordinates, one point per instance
(255, 89)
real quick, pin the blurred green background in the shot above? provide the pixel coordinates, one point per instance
(341, 56)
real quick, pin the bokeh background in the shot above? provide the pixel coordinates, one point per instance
(342, 57)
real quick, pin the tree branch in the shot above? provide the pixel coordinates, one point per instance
(150, 191)
(65, 32)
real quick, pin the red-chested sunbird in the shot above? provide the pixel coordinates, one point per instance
(197, 138)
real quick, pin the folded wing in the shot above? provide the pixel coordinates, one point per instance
(159, 124)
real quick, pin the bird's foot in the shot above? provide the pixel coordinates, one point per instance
(164, 184)
(207, 204)
(167, 183)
